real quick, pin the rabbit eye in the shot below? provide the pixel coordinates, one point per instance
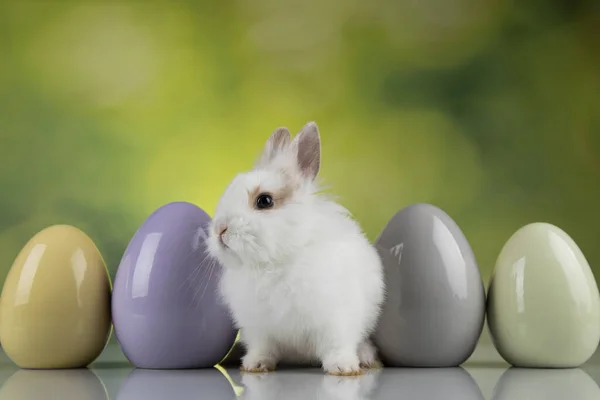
(264, 201)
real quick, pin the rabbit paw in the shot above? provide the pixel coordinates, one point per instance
(257, 364)
(342, 364)
(367, 354)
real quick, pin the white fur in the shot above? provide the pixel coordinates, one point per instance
(302, 281)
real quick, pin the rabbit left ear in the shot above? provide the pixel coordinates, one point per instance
(307, 146)
(277, 142)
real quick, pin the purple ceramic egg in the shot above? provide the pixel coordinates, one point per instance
(165, 306)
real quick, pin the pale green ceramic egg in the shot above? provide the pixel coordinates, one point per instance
(543, 303)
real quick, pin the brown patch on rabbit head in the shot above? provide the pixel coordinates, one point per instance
(282, 195)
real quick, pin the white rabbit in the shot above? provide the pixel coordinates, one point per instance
(301, 280)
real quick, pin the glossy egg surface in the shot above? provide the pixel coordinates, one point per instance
(166, 309)
(435, 302)
(543, 302)
(55, 303)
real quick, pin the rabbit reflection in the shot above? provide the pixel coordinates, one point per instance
(308, 384)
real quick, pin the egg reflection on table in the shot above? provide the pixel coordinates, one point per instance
(55, 303)
(427, 383)
(545, 384)
(80, 384)
(435, 303)
(543, 303)
(208, 383)
(166, 309)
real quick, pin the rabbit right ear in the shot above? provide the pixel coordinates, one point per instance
(278, 142)
(307, 145)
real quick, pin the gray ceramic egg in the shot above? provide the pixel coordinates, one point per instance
(435, 305)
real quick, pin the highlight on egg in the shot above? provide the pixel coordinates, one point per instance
(167, 312)
(434, 310)
(55, 302)
(543, 307)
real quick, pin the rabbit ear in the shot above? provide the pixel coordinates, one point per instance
(278, 142)
(307, 145)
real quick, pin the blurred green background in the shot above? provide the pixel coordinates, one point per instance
(489, 109)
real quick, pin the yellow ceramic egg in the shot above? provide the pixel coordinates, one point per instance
(55, 303)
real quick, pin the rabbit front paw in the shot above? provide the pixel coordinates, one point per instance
(342, 364)
(258, 363)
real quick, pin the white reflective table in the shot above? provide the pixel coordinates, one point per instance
(484, 376)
